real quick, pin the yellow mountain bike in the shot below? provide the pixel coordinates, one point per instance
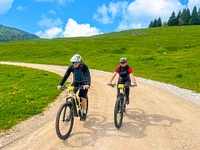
(120, 104)
(67, 111)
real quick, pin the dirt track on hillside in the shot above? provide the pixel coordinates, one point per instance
(155, 120)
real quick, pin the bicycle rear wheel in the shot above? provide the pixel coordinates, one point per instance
(64, 121)
(118, 113)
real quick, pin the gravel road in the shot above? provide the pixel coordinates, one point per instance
(159, 117)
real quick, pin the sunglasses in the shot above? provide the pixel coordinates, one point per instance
(123, 62)
(75, 63)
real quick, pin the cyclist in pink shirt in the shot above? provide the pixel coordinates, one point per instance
(126, 76)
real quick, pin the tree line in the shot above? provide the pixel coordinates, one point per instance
(183, 17)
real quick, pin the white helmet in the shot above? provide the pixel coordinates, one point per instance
(76, 58)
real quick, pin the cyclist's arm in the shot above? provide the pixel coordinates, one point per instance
(88, 75)
(114, 74)
(65, 77)
(132, 77)
(130, 70)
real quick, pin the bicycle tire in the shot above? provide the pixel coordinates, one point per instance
(118, 111)
(64, 118)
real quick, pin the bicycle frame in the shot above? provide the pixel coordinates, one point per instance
(76, 102)
(121, 94)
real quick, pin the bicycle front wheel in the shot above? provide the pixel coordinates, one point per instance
(64, 121)
(118, 113)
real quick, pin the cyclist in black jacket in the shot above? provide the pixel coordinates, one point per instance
(126, 76)
(81, 77)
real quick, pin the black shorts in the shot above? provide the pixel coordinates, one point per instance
(82, 92)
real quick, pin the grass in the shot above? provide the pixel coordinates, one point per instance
(24, 92)
(167, 54)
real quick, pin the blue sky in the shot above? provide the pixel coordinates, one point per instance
(72, 18)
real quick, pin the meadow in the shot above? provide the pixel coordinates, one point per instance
(24, 92)
(165, 54)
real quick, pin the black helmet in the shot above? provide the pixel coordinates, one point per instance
(123, 59)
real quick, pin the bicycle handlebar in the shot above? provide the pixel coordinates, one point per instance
(115, 85)
(77, 88)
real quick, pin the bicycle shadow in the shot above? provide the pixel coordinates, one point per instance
(94, 123)
(139, 121)
(133, 127)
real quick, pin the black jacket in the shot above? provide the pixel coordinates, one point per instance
(85, 74)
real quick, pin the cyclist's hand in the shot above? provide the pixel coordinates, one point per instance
(134, 84)
(86, 87)
(59, 87)
(110, 83)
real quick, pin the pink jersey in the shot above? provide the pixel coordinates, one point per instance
(130, 70)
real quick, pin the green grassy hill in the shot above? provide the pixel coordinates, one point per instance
(24, 92)
(167, 54)
(11, 34)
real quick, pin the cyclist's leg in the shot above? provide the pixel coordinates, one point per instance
(83, 95)
(127, 89)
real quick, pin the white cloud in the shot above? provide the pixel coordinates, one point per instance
(50, 33)
(106, 15)
(151, 9)
(125, 26)
(118, 8)
(192, 3)
(102, 15)
(48, 23)
(22, 8)
(138, 13)
(73, 29)
(5, 6)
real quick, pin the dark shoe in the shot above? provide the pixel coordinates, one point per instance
(127, 101)
(83, 117)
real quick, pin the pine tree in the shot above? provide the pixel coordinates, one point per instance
(159, 22)
(151, 24)
(155, 23)
(194, 17)
(178, 17)
(185, 17)
(198, 14)
(172, 20)
(188, 16)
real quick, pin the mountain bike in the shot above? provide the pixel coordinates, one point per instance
(67, 111)
(120, 104)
